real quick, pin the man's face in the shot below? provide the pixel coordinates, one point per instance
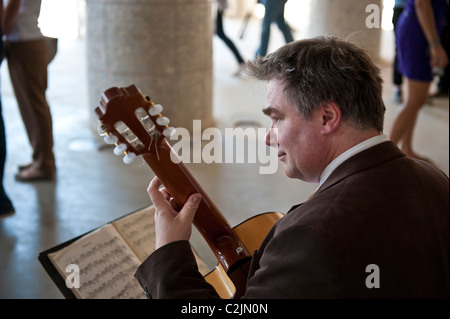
(299, 142)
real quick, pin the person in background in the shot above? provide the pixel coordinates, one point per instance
(442, 85)
(274, 13)
(28, 57)
(221, 6)
(419, 52)
(6, 206)
(397, 77)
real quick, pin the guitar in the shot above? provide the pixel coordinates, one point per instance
(135, 125)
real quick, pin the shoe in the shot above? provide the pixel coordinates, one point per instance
(6, 213)
(398, 97)
(440, 94)
(33, 175)
(6, 207)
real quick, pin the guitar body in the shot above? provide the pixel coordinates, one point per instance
(135, 125)
(252, 232)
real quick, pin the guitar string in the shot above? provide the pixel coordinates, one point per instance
(154, 136)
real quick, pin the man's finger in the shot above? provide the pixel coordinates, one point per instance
(174, 204)
(156, 196)
(165, 193)
(190, 208)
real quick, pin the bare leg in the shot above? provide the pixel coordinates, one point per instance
(403, 128)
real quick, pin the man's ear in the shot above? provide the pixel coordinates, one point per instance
(331, 117)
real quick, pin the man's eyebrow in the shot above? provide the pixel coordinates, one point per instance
(270, 110)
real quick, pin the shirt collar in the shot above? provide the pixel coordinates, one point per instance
(349, 153)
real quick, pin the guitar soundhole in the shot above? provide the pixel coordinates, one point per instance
(132, 139)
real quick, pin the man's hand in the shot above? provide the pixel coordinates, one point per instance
(171, 225)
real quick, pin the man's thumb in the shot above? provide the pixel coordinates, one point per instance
(190, 207)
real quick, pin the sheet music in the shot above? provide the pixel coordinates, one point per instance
(106, 266)
(138, 230)
(108, 257)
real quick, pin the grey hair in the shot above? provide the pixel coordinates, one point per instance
(326, 69)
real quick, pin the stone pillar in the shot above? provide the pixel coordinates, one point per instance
(164, 47)
(347, 19)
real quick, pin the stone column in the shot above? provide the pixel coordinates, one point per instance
(164, 47)
(347, 19)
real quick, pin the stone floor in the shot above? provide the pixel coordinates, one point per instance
(93, 186)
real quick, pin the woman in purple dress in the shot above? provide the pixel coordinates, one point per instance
(419, 53)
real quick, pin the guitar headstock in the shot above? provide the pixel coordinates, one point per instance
(132, 122)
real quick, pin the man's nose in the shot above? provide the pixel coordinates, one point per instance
(271, 138)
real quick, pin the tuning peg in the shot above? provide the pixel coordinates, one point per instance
(101, 129)
(129, 158)
(155, 109)
(162, 120)
(119, 149)
(110, 139)
(169, 131)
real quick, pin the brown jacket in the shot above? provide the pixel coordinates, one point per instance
(377, 209)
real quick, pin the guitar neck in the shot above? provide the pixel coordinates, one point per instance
(179, 182)
(129, 116)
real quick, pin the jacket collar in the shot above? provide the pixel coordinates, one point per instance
(370, 157)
